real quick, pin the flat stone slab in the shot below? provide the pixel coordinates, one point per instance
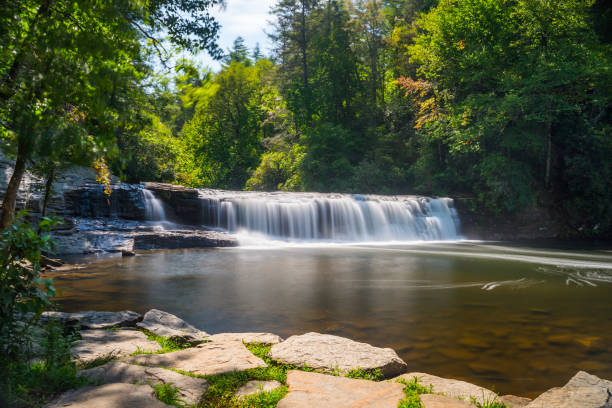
(328, 353)
(311, 390)
(582, 391)
(453, 388)
(95, 320)
(513, 401)
(264, 338)
(257, 387)
(168, 325)
(191, 389)
(442, 401)
(95, 344)
(112, 395)
(205, 359)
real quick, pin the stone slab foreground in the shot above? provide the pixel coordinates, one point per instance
(95, 320)
(112, 395)
(442, 401)
(453, 388)
(328, 353)
(168, 325)
(583, 390)
(191, 389)
(96, 344)
(265, 338)
(205, 359)
(313, 390)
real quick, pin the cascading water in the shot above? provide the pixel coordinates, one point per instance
(331, 217)
(154, 208)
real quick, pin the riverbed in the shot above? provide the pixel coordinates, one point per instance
(511, 318)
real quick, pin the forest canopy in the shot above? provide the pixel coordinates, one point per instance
(506, 102)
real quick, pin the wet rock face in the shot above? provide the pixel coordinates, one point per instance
(89, 200)
(177, 239)
(330, 353)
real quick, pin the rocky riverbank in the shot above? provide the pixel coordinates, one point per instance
(129, 358)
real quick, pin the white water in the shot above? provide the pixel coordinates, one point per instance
(154, 208)
(331, 217)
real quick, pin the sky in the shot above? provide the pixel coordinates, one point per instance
(245, 18)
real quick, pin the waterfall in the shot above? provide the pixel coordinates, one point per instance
(154, 208)
(331, 217)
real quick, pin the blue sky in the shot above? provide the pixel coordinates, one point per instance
(245, 18)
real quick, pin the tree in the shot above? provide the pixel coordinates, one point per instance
(65, 55)
(238, 53)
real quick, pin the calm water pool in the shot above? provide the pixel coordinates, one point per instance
(514, 319)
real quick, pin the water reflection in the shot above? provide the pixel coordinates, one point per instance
(502, 317)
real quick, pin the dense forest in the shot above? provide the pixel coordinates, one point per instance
(506, 102)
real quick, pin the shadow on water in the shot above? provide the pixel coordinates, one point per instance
(518, 320)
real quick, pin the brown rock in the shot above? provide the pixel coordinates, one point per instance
(112, 395)
(512, 401)
(582, 391)
(168, 325)
(95, 344)
(328, 353)
(191, 389)
(312, 390)
(452, 388)
(205, 359)
(442, 401)
(264, 338)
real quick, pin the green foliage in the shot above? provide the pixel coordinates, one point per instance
(168, 394)
(412, 390)
(23, 293)
(279, 171)
(372, 374)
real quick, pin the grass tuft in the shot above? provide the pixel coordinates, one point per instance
(412, 390)
(168, 394)
(371, 374)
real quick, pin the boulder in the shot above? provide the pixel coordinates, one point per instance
(312, 390)
(97, 344)
(191, 389)
(95, 320)
(442, 401)
(512, 401)
(264, 338)
(329, 353)
(168, 325)
(183, 239)
(452, 388)
(256, 387)
(582, 391)
(117, 395)
(204, 359)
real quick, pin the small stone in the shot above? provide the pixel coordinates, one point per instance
(442, 401)
(512, 401)
(116, 395)
(257, 387)
(264, 338)
(191, 389)
(204, 359)
(310, 390)
(96, 344)
(583, 390)
(329, 353)
(168, 325)
(452, 388)
(127, 253)
(92, 319)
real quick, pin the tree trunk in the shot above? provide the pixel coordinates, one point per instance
(48, 189)
(8, 206)
(548, 152)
